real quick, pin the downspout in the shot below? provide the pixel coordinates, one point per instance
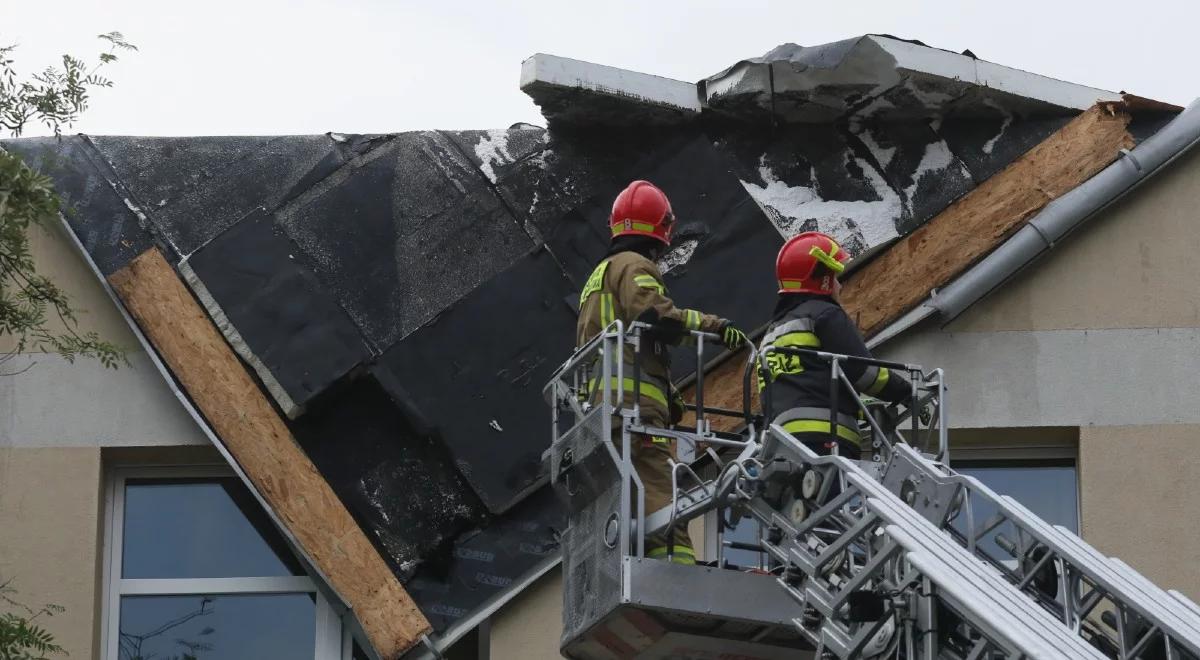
(1059, 218)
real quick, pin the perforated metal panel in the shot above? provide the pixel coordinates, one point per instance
(586, 475)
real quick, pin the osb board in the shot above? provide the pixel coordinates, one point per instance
(262, 445)
(930, 257)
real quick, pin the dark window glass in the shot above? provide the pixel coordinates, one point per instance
(236, 627)
(199, 528)
(748, 530)
(1048, 489)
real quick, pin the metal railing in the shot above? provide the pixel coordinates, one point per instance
(594, 378)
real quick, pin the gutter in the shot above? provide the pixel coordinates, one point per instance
(1053, 223)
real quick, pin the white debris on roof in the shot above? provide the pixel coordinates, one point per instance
(492, 150)
(678, 255)
(1008, 120)
(790, 207)
(936, 160)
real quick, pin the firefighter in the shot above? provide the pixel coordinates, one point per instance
(809, 315)
(628, 286)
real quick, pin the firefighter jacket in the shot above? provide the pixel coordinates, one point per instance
(798, 387)
(627, 286)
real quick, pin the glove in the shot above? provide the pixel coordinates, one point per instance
(675, 406)
(732, 337)
(926, 414)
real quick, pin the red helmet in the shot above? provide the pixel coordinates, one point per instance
(642, 210)
(796, 266)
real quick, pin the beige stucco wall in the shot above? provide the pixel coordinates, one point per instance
(50, 520)
(1139, 502)
(530, 625)
(55, 257)
(46, 401)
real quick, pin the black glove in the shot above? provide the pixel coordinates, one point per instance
(675, 406)
(732, 337)
(925, 414)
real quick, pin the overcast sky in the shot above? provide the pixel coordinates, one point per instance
(219, 67)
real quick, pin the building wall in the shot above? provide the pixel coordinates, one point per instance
(531, 624)
(50, 520)
(1103, 335)
(58, 423)
(1138, 499)
(46, 401)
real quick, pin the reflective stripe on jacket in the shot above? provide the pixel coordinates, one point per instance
(627, 286)
(803, 381)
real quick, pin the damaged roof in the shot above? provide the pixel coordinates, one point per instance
(402, 298)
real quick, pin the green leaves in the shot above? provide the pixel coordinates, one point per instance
(56, 96)
(21, 637)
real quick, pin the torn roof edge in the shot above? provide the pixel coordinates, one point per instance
(1054, 223)
(554, 82)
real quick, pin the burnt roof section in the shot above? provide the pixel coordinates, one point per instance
(404, 297)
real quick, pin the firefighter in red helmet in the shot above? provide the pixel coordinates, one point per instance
(628, 286)
(809, 315)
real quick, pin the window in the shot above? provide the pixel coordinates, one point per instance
(195, 569)
(1047, 487)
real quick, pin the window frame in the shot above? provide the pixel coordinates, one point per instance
(331, 637)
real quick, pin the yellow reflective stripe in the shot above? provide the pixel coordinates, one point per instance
(820, 426)
(797, 339)
(648, 282)
(693, 319)
(659, 440)
(791, 284)
(648, 390)
(881, 382)
(595, 281)
(606, 309)
(629, 225)
(827, 259)
(682, 554)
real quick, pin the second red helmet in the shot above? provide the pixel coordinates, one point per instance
(642, 210)
(796, 266)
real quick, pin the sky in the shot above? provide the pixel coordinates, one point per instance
(277, 67)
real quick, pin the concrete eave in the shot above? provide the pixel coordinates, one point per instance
(577, 92)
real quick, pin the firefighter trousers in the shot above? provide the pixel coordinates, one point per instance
(650, 457)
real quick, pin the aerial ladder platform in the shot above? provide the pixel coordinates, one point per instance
(892, 556)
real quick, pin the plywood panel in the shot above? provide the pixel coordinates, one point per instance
(933, 255)
(256, 436)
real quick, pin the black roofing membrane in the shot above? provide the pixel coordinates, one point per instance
(289, 321)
